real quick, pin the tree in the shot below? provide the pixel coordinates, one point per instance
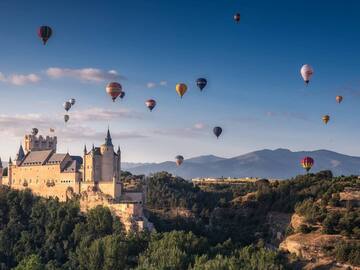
(31, 262)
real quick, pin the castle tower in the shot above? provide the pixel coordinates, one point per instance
(20, 156)
(36, 143)
(10, 171)
(108, 159)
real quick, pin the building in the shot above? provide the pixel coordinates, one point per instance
(94, 177)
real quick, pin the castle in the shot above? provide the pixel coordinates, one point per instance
(93, 178)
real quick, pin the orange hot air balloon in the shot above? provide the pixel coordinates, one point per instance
(339, 99)
(326, 119)
(307, 163)
(114, 89)
(181, 89)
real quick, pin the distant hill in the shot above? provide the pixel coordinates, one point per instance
(279, 163)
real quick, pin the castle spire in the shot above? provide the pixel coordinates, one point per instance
(85, 150)
(118, 150)
(20, 155)
(10, 161)
(0, 164)
(108, 140)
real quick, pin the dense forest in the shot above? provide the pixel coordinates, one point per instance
(212, 227)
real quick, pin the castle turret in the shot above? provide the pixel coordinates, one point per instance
(107, 162)
(20, 156)
(10, 171)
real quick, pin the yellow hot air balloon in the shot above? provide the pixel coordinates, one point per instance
(181, 89)
(326, 118)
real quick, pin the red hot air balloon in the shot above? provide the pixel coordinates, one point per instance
(307, 163)
(44, 33)
(114, 89)
(150, 103)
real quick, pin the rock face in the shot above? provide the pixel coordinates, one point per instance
(309, 246)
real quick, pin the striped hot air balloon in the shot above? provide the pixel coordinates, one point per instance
(114, 89)
(307, 163)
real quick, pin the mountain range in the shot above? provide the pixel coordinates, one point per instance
(278, 164)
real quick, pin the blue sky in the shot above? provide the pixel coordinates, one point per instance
(255, 91)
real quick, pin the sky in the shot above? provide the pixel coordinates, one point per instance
(254, 92)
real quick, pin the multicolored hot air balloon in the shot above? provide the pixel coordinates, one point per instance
(67, 105)
(179, 160)
(150, 103)
(307, 163)
(217, 131)
(306, 72)
(72, 101)
(34, 131)
(66, 118)
(122, 95)
(201, 83)
(237, 17)
(339, 99)
(114, 89)
(326, 119)
(44, 33)
(181, 89)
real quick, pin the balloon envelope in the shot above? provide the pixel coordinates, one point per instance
(307, 163)
(66, 118)
(217, 131)
(150, 103)
(306, 72)
(179, 160)
(67, 105)
(114, 89)
(44, 33)
(201, 83)
(72, 101)
(181, 89)
(326, 119)
(339, 99)
(34, 131)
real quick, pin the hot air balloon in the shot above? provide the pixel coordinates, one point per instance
(44, 33)
(150, 103)
(66, 118)
(306, 72)
(179, 160)
(34, 131)
(67, 105)
(237, 17)
(181, 89)
(114, 89)
(326, 119)
(339, 99)
(72, 101)
(217, 131)
(307, 163)
(122, 95)
(201, 83)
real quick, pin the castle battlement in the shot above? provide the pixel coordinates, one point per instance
(38, 143)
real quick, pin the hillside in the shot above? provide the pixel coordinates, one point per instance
(279, 164)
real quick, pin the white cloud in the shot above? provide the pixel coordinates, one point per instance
(20, 79)
(85, 74)
(154, 84)
(100, 114)
(200, 126)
